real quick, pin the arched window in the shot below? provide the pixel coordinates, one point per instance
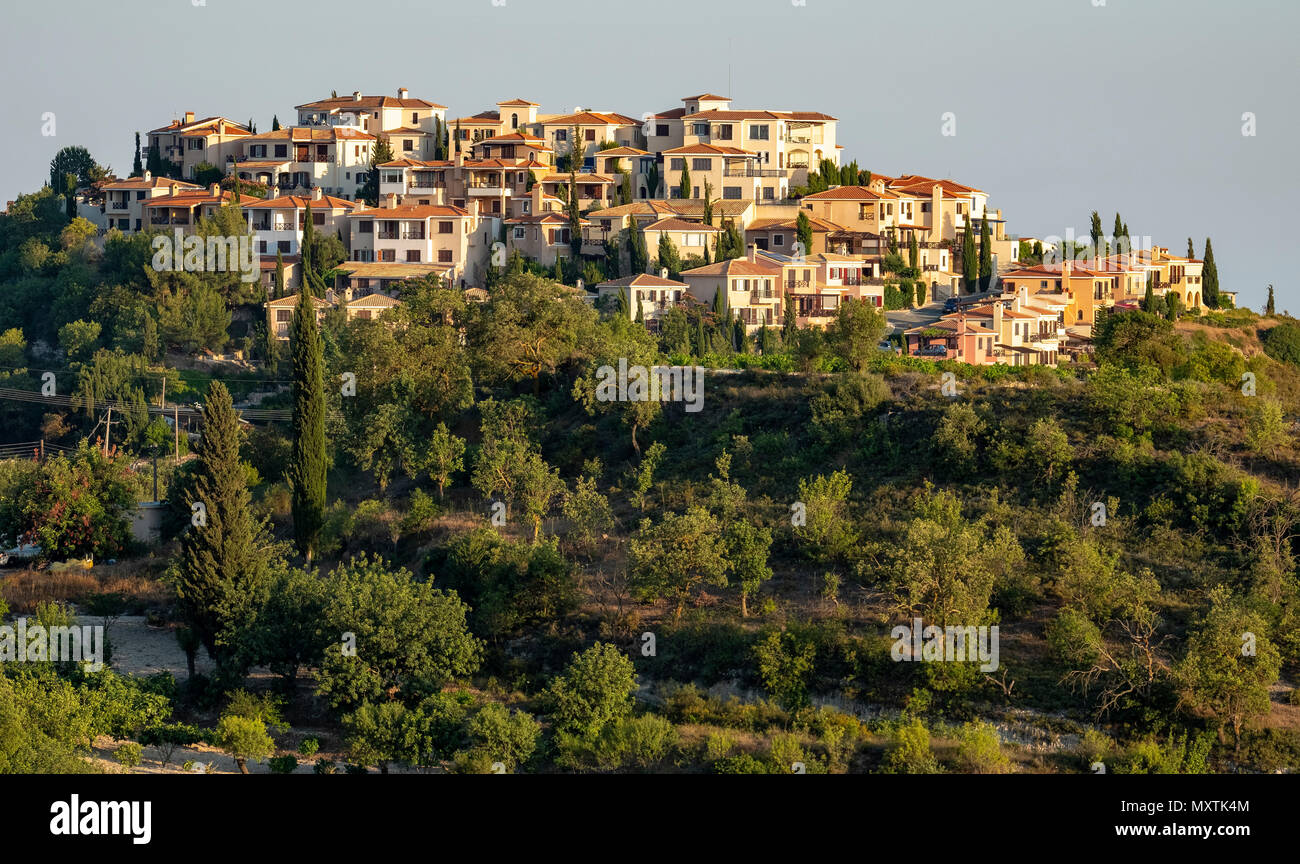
(514, 121)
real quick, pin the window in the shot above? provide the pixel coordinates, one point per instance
(731, 192)
(365, 226)
(283, 314)
(701, 164)
(318, 218)
(561, 134)
(139, 196)
(281, 151)
(778, 239)
(444, 227)
(769, 194)
(413, 256)
(514, 121)
(444, 256)
(589, 134)
(261, 247)
(693, 239)
(195, 143)
(724, 131)
(759, 132)
(387, 255)
(519, 232)
(661, 130)
(415, 116)
(925, 206)
(283, 247)
(408, 145)
(701, 129)
(676, 163)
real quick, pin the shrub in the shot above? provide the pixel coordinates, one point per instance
(129, 754)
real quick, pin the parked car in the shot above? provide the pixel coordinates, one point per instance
(952, 304)
(931, 351)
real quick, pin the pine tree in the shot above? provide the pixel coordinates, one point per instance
(137, 167)
(307, 463)
(275, 122)
(684, 185)
(986, 253)
(221, 560)
(1210, 278)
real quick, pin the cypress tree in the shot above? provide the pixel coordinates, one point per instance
(457, 139)
(275, 122)
(803, 232)
(1118, 231)
(1269, 309)
(640, 317)
(558, 276)
(307, 249)
(639, 257)
(790, 326)
(668, 255)
(220, 562)
(913, 252)
(708, 207)
(986, 253)
(684, 185)
(1191, 249)
(1095, 232)
(307, 463)
(137, 167)
(1210, 278)
(970, 268)
(1149, 299)
(701, 341)
(575, 218)
(278, 289)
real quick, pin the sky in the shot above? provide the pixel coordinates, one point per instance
(1061, 107)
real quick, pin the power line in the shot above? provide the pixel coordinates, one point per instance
(75, 402)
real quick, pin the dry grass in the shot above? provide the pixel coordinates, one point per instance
(138, 580)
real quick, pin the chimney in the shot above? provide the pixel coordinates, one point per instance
(221, 127)
(391, 201)
(356, 95)
(148, 176)
(401, 92)
(663, 272)
(753, 253)
(316, 193)
(1022, 297)
(215, 190)
(936, 213)
(275, 192)
(459, 161)
(997, 322)
(537, 198)
(189, 117)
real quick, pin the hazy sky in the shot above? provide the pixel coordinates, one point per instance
(1062, 106)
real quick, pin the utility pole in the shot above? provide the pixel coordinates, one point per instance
(176, 427)
(108, 430)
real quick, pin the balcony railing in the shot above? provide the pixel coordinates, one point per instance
(753, 172)
(163, 220)
(792, 284)
(119, 205)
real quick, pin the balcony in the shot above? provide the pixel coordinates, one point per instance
(491, 191)
(745, 171)
(163, 220)
(119, 205)
(792, 284)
